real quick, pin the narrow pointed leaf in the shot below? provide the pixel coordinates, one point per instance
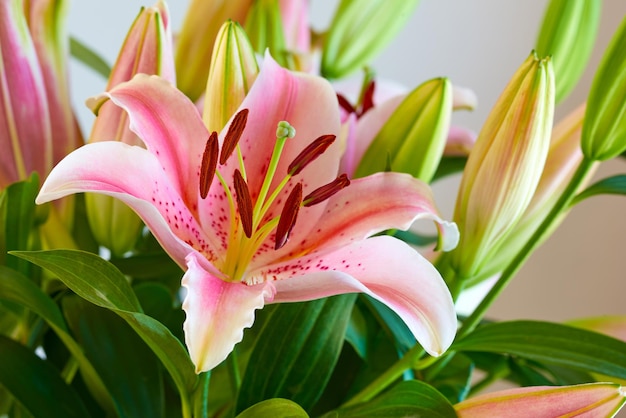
(20, 218)
(17, 288)
(89, 57)
(273, 408)
(296, 352)
(36, 384)
(610, 185)
(550, 343)
(112, 346)
(411, 398)
(96, 280)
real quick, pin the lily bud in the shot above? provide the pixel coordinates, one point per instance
(25, 128)
(604, 130)
(413, 139)
(505, 165)
(593, 399)
(359, 30)
(264, 26)
(233, 70)
(194, 43)
(564, 157)
(146, 49)
(46, 21)
(567, 34)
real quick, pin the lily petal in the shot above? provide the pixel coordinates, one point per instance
(414, 289)
(588, 400)
(396, 201)
(217, 312)
(118, 170)
(168, 123)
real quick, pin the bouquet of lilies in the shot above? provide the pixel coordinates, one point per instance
(235, 235)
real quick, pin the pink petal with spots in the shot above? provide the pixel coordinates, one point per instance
(170, 126)
(217, 312)
(309, 104)
(136, 177)
(386, 269)
(588, 400)
(367, 206)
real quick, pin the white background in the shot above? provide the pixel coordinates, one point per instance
(478, 44)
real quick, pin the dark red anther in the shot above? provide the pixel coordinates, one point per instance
(244, 203)
(288, 216)
(345, 104)
(209, 164)
(368, 98)
(235, 130)
(322, 193)
(310, 153)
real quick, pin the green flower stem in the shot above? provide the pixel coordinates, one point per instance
(563, 203)
(202, 396)
(392, 374)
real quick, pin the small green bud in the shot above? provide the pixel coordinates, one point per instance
(413, 139)
(233, 70)
(264, 26)
(359, 30)
(567, 34)
(604, 129)
(194, 43)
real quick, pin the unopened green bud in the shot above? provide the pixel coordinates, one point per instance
(194, 43)
(567, 34)
(413, 139)
(233, 70)
(604, 129)
(264, 26)
(505, 166)
(359, 30)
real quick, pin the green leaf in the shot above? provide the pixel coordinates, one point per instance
(410, 398)
(550, 343)
(296, 352)
(448, 166)
(127, 366)
(274, 408)
(454, 380)
(89, 57)
(102, 284)
(392, 324)
(609, 185)
(36, 384)
(20, 219)
(19, 289)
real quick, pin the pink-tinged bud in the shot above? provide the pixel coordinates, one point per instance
(195, 42)
(25, 128)
(233, 71)
(46, 21)
(147, 49)
(564, 157)
(295, 17)
(588, 400)
(505, 166)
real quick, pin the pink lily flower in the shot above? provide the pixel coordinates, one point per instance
(237, 236)
(587, 400)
